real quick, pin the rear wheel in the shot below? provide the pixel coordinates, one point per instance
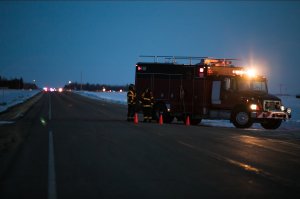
(241, 118)
(271, 124)
(161, 109)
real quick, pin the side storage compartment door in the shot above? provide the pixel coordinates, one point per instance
(216, 91)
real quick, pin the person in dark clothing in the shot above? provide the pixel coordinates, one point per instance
(131, 102)
(147, 101)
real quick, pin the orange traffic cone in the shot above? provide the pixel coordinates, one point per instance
(136, 120)
(160, 119)
(187, 122)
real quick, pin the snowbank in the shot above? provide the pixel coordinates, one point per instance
(115, 97)
(10, 97)
(293, 103)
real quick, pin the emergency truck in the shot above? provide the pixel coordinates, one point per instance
(208, 88)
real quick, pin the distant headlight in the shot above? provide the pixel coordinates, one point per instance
(282, 108)
(289, 110)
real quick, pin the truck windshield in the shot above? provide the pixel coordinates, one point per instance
(252, 85)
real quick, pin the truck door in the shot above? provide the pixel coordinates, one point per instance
(228, 92)
(222, 95)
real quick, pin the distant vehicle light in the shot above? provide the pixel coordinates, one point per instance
(289, 110)
(52, 89)
(121, 90)
(60, 90)
(45, 89)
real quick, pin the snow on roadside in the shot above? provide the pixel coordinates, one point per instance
(11, 97)
(289, 101)
(293, 103)
(114, 97)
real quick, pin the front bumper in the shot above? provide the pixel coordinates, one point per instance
(282, 115)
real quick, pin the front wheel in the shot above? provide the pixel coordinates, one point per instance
(271, 124)
(241, 118)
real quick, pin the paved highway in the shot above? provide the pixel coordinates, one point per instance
(68, 146)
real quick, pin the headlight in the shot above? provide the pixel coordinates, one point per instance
(253, 107)
(288, 110)
(282, 108)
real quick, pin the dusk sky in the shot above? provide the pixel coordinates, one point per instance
(56, 42)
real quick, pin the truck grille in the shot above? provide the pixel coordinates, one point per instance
(271, 105)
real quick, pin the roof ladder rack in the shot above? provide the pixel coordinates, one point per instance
(172, 59)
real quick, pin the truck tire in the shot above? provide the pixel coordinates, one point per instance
(162, 109)
(271, 124)
(241, 118)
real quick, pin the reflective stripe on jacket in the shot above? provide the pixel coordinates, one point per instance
(131, 97)
(147, 99)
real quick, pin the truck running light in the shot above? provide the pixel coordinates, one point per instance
(238, 72)
(253, 107)
(139, 68)
(251, 73)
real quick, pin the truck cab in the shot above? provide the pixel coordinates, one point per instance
(247, 101)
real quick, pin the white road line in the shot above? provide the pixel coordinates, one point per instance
(51, 169)
(51, 163)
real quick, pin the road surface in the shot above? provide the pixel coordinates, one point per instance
(75, 147)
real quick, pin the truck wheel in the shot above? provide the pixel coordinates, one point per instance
(241, 118)
(161, 109)
(271, 124)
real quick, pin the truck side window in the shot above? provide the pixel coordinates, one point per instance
(233, 84)
(226, 83)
